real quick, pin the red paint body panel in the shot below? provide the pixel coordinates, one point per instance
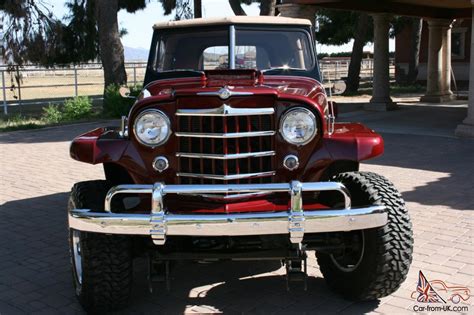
(355, 142)
(349, 142)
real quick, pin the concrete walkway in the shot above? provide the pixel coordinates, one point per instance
(433, 170)
(423, 119)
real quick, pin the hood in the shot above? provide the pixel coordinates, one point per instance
(250, 81)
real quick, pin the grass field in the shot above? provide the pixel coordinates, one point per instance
(61, 84)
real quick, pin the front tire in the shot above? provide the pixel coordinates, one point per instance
(379, 262)
(102, 264)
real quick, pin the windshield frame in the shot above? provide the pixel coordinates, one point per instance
(314, 72)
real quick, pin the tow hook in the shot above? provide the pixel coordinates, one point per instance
(297, 269)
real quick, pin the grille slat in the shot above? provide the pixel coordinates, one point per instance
(225, 135)
(229, 148)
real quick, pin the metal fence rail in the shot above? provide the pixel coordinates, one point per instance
(33, 84)
(28, 84)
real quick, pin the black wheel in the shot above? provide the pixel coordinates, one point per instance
(101, 264)
(376, 261)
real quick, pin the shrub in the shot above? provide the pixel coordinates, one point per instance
(77, 108)
(114, 104)
(52, 114)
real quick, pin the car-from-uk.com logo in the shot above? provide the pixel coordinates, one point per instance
(437, 296)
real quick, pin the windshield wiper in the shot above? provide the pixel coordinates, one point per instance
(181, 70)
(284, 68)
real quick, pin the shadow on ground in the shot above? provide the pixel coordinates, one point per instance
(35, 274)
(454, 157)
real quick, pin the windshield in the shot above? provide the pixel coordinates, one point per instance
(255, 48)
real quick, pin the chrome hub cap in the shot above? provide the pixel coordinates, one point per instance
(76, 247)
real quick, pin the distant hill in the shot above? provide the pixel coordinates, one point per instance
(136, 54)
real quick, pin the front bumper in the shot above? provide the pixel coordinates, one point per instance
(295, 222)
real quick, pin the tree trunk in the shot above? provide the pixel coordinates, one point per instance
(360, 35)
(111, 49)
(237, 7)
(267, 7)
(197, 9)
(417, 25)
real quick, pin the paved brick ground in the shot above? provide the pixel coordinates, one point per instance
(435, 174)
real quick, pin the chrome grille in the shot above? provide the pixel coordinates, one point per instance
(225, 145)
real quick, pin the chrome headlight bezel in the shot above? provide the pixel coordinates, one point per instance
(310, 115)
(165, 118)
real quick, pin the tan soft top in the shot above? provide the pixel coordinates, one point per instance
(232, 20)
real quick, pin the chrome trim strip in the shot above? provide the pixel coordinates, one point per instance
(264, 223)
(125, 189)
(158, 226)
(225, 110)
(224, 94)
(232, 46)
(229, 135)
(230, 197)
(226, 189)
(296, 218)
(328, 186)
(225, 156)
(227, 177)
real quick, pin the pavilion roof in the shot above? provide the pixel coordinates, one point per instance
(448, 9)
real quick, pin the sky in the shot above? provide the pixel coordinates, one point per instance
(139, 24)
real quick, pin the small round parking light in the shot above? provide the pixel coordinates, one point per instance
(291, 162)
(160, 163)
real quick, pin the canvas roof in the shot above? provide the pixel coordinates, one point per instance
(232, 20)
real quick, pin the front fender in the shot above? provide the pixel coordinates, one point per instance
(100, 145)
(354, 142)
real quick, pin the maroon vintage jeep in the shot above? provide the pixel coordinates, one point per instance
(231, 151)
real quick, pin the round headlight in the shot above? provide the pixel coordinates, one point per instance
(152, 127)
(298, 126)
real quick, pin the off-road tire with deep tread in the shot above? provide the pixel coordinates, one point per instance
(388, 249)
(107, 261)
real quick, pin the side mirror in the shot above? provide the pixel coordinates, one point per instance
(125, 92)
(339, 87)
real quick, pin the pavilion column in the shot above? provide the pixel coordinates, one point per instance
(438, 84)
(300, 11)
(381, 85)
(466, 129)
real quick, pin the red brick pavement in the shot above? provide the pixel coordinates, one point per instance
(435, 175)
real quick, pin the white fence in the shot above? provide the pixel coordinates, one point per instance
(39, 85)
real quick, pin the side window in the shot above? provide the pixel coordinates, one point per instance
(216, 57)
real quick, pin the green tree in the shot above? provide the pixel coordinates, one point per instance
(267, 7)
(90, 31)
(338, 28)
(25, 23)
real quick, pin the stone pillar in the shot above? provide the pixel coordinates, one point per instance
(466, 129)
(438, 81)
(381, 85)
(300, 11)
